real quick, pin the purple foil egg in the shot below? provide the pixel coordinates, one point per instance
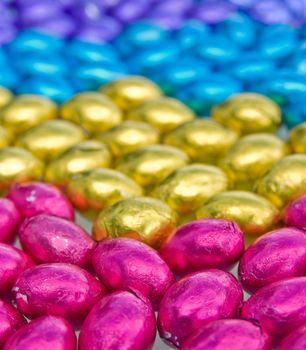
(279, 307)
(203, 244)
(49, 239)
(120, 320)
(44, 333)
(140, 270)
(10, 321)
(9, 220)
(35, 198)
(57, 289)
(13, 262)
(195, 300)
(274, 256)
(295, 340)
(229, 335)
(295, 214)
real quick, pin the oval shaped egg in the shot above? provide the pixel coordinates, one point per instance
(57, 289)
(195, 300)
(203, 244)
(5, 137)
(295, 213)
(47, 332)
(33, 198)
(295, 340)
(50, 239)
(273, 257)
(278, 307)
(141, 270)
(297, 138)
(9, 220)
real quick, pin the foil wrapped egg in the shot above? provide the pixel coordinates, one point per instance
(295, 340)
(285, 181)
(204, 141)
(297, 138)
(5, 97)
(25, 112)
(9, 220)
(93, 111)
(251, 157)
(248, 113)
(163, 113)
(5, 137)
(49, 139)
(82, 157)
(145, 219)
(130, 92)
(295, 213)
(129, 136)
(254, 214)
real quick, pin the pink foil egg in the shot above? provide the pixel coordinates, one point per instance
(13, 262)
(295, 213)
(35, 198)
(274, 256)
(44, 333)
(10, 321)
(203, 244)
(195, 300)
(120, 321)
(9, 220)
(279, 307)
(49, 239)
(127, 264)
(229, 335)
(295, 340)
(57, 289)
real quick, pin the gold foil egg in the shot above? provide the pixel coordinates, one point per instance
(150, 165)
(93, 111)
(254, 214)
(100, 188)
(130, 92)
(251, 157)
(187, 188)
(49, 139)
(297, 138)
(129, 136)
(163, 113)
(145, 219)
(204, 141)
(5, 137)
(82, 157)
(285, 181)
(25, 112)
(5, 97)
(18, 165)
(248, 113)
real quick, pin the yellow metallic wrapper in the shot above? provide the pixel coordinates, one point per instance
(150, 165)
(130, 92)
(204, 141)
(82, 157)
(248, 113)
(129, 136)
(251, 157)
(49, 139)
(285, 181)
(5, 97)
(297, 139)
(93, 111)
(254, 214)
(25, 112)
(5, 137)
(145, 219)
(164, 113)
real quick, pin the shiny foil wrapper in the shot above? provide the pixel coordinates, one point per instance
(25, 112)
(129, 136)
(9, 220)
(295, 213)
(130, 92)
(5, 97)
(48, 140)
(297, 138)
(163, 113)
(285, 181)
(83, 157)
(93, 111)
(145, 219)
(204, 141)
(5, 137)
(254, 214)
(248, 113)
(250, 158)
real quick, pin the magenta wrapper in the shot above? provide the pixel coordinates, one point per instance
(9, 220)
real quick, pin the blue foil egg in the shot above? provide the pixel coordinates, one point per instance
(191, 34)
